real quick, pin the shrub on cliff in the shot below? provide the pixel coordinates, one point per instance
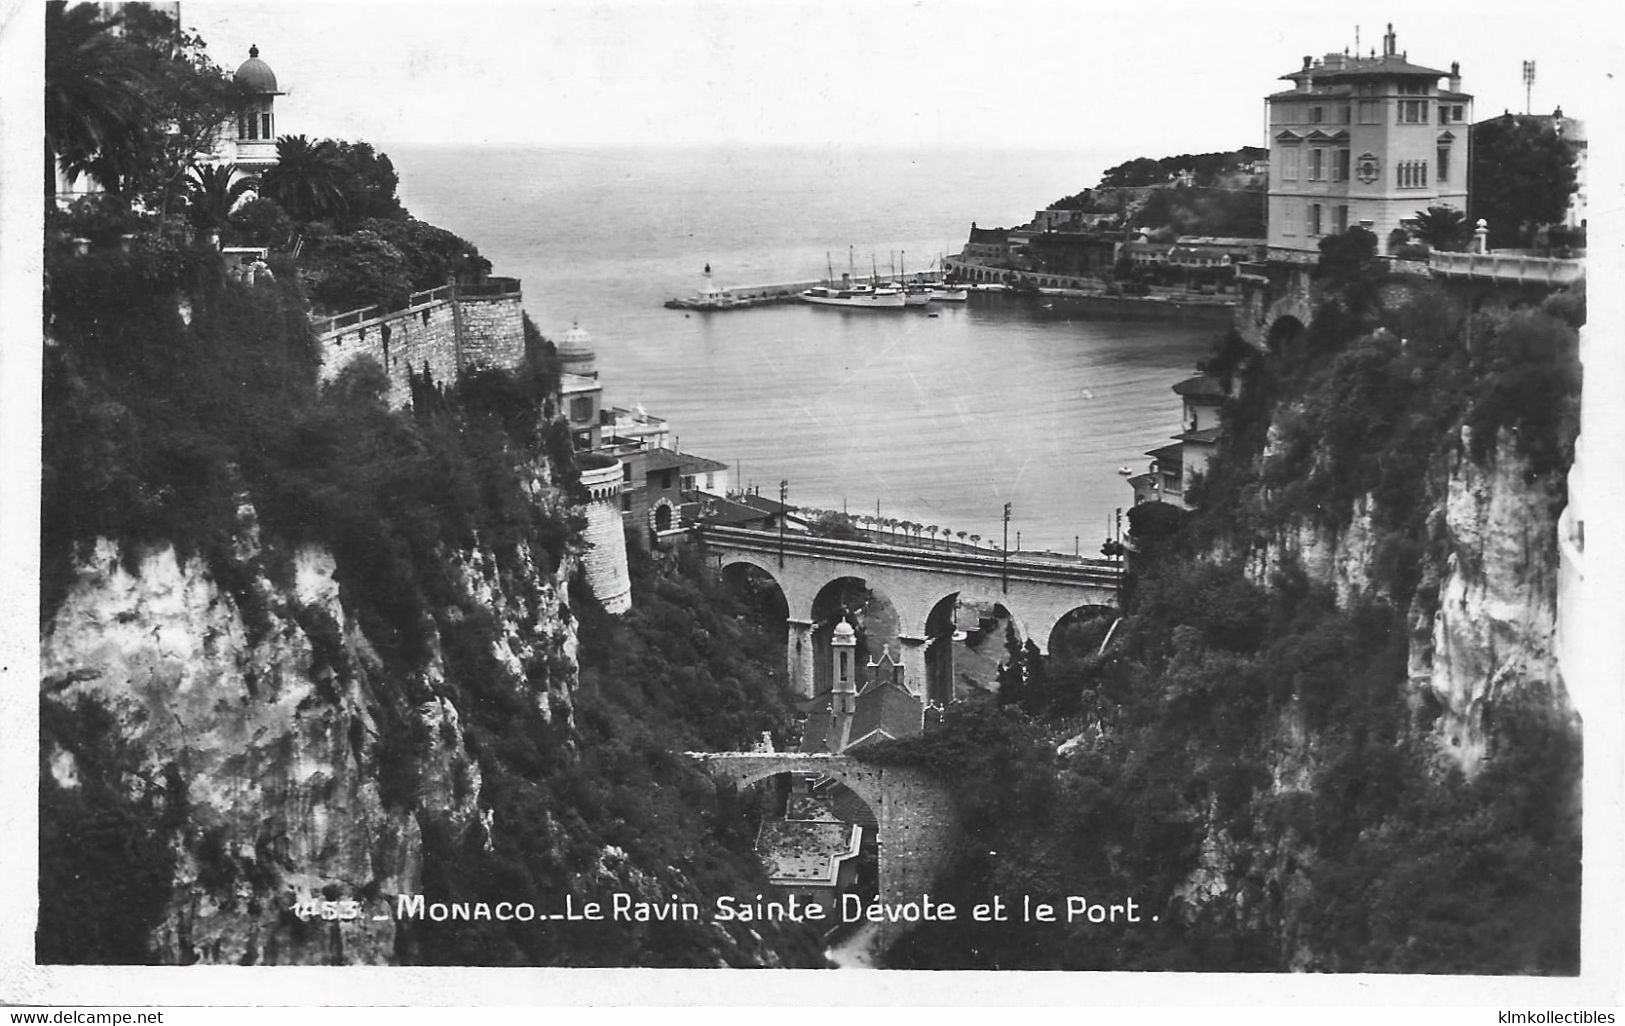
(609, 803)
(105, 860)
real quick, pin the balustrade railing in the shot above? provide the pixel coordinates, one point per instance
(1508, 267)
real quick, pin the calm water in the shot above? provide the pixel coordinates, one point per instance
(940, 420)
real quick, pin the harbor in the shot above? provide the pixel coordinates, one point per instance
(740, 297)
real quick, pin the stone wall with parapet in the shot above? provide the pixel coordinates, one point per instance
(493, 331)
(442, 331)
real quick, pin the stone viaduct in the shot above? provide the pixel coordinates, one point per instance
(920, 584)
(918, 824)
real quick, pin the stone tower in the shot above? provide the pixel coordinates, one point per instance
(604, 563)
(843, 703)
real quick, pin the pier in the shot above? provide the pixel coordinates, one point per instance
(739, 297)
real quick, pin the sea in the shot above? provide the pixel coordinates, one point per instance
(1034, 401)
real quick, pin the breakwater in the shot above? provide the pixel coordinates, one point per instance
(738, 297)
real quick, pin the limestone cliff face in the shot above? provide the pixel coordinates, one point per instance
(1483, 620)
(1491, 640)
(295, 765)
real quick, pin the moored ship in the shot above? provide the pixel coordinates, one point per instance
(855, 296)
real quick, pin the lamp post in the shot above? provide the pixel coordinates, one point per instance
(1004, 572)
(784, 492)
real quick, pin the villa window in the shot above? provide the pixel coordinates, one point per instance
(1344, 114)
(581, 409)
(1413, 112)
(1289, 163)
(1340, 170)
(1340, 218)
(1314, 219)
(1443, 154)
(1369, 112)
(1316, 170)
(1411, 174)
(265, 125)
(1317, 115)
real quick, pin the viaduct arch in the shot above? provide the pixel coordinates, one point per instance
(1036, 592)
(918, 823)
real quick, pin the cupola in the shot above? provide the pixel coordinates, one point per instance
(576, 353)
(255, 75)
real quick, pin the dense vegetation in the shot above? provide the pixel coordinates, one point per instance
(1260, 743)
(686, 669)
(1523, 177)
(173, 393)
(155, 428)
(1207, 170)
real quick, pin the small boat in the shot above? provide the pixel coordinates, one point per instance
(1126, 471)
(942, 292)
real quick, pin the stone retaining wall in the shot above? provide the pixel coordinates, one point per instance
(440, 336)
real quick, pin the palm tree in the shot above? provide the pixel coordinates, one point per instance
(976, 541)
(212, 193)
(961, 537)
(1442, 228)
(96, 106)
(932, 531)
(307, 179)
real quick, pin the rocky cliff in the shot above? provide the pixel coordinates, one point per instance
(291, 764)
(1329, 732)
(1482, 618)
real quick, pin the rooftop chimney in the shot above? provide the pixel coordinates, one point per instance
(1455, 76)
(1306, 80)
(1389, 42)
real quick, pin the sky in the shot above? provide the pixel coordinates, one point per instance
(1151, 78)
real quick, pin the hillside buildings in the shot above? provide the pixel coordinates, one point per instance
(1365, 141)
(1175, 467)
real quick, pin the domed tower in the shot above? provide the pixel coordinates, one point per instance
(576, 354)
(843, 645)
(256, 120)
(843, 699)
